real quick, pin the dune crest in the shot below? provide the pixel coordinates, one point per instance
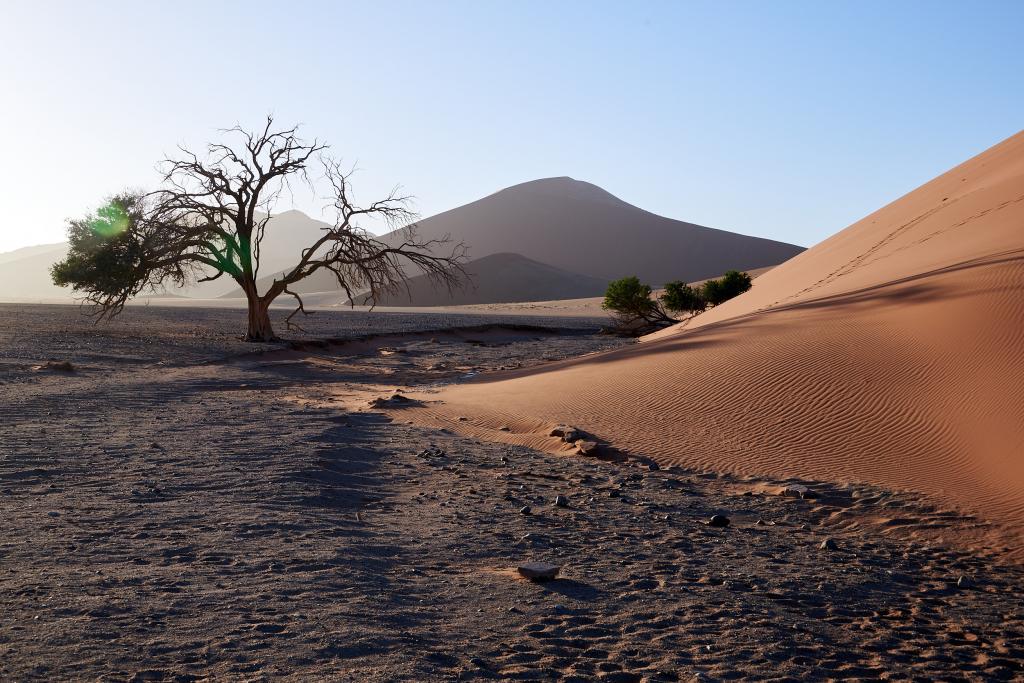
(890, 353)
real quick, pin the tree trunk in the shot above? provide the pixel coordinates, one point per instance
(260, 328)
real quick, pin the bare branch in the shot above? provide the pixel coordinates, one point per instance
(301, 308)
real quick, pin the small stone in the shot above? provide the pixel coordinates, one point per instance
(964, 582)
(504, 428)
(720, 521)
(539, 571)
(760, 522)
(525, 510)
(561, 501)
(585, 447)
(828, 544)
(653, 467)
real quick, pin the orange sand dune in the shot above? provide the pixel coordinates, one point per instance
(891, 353)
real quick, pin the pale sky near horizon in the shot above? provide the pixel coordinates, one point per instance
(787, 120)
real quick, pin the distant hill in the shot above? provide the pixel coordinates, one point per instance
(25, 273)
(581, 228)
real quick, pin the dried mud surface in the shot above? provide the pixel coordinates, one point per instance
(180, 508)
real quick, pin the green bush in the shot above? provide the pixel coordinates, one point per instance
(732, 284)
(680, 297)
(633, 306)
(628, 297)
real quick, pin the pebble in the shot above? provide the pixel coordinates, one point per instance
(720, 521)
(964, 582)
(561, 501)
(525, 510)
(828, 544)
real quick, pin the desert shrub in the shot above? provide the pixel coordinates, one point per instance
(628, 297)
(630, 300)
(680, 297)
(732, 284)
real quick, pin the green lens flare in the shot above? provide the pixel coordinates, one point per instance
(110, 220)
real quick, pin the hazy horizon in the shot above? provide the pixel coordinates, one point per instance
(764, 120)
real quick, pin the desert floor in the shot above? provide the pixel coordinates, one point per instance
(182, 507)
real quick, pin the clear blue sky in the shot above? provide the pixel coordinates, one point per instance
(786, 120)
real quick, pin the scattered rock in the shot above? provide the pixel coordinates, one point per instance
(828, 544)
(525, 510)
(561, 501)
(964, 582)
(586, 447)
(567, 433)
(504, 428)
(539, 571)
(794, 491)
(653, 466)
(720, 521)
(394, 400)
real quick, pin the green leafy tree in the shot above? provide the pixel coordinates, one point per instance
(680, 297)
(630, 300)
(730, 285)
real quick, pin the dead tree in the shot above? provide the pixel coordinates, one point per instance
(210, 215)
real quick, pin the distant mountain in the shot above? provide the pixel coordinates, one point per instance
(581, 228)
(25, 273)
(28, 252)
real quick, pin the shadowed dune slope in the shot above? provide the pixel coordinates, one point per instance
(501, 278)
(891, 353)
